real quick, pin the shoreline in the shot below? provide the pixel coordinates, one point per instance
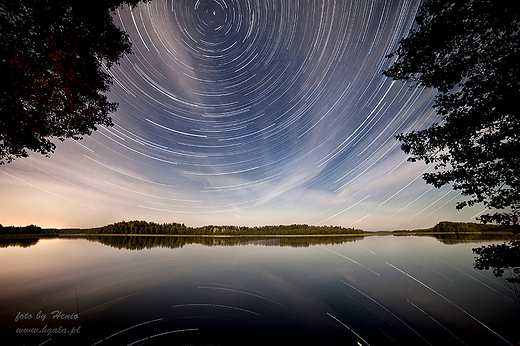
(404, 233)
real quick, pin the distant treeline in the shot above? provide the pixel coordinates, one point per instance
(460, 227)
(463, 227)
(143, 227)
(31, 229)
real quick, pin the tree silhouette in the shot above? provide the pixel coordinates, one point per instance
(469, 51)
(53, 60)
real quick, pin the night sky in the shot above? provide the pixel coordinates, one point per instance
(246, 112)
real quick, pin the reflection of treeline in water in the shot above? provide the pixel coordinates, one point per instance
(21, 242)
(143, 227)
(458, 238)
(303, 241)
(139, 243)
(24, 240)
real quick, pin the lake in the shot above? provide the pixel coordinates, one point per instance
(373, 290)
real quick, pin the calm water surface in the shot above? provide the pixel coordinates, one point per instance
(380, 290)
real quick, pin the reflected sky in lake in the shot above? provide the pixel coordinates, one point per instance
(375, 291)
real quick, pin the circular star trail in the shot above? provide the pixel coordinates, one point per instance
(248, 113)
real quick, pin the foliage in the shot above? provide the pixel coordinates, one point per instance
(469, 50)
(143, 227)
(54, 56)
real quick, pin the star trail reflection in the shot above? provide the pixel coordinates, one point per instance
(264, 112)
(223, 291)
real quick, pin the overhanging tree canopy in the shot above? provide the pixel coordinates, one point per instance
(469, 50)
(52, 54)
